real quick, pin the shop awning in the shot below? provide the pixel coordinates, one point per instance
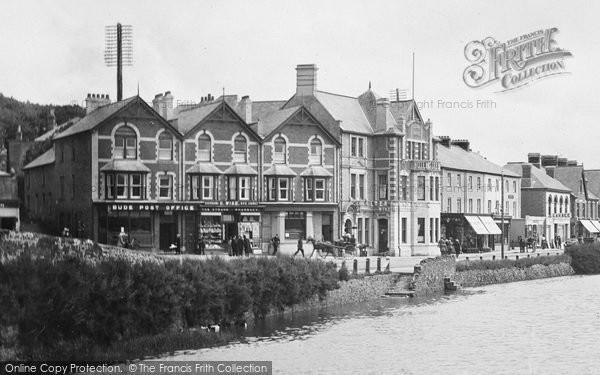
(589, 226)
(477, 225)
(316, 171)
(596, 223)
(241, 169)
(124, 165)
(490, 225)
(279, 170)
(204, 168)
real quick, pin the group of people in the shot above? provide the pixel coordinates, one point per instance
(450, 246)
(275, 241)
(532, 242)
(239, 245)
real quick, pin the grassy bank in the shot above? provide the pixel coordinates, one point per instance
(55, 307)
(585, 258)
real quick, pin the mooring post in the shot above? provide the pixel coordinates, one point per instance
(493, 257)
(367, 266)
(528, 255)
(378, 264)
(517, 257)
(355, 266)
(480, 258)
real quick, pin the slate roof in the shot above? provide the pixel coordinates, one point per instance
(270, 122)
(279, 170)
(95, 117)
(56, 129)
(44, 159)
(592, 179)
(241, 169)
(260, 109)
(204, 168)
(347, 110)
(454, 157)
(570, 177)
(316, 171)
(538, 180)
(189, 118)
(124, 165)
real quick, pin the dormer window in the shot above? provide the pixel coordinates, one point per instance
(240, 148)
(165, 147)
(125, 143)
(316, 152)
(279, 156)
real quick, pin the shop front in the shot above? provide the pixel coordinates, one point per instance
(137, 220)
(588, 230)
(9, 214)
(474, 232)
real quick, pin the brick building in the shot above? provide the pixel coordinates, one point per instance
(472, 196)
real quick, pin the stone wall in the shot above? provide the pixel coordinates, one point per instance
(429, 275)
(507, 275)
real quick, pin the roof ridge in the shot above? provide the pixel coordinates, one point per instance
(342, 95)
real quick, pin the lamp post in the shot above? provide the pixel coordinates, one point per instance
(502, 214)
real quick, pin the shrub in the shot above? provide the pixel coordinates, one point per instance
(510, 263)
(585, 258)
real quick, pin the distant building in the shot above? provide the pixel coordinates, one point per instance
(9, 202)
(472, 196)
(545, 206)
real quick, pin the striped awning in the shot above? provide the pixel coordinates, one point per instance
(589, 226)
(490, 225)
(477, 225)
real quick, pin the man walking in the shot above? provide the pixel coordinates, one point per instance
(247, 247)
(202, 246)
(178, 244)
(457, 247)
(300, 249)
(275, 240)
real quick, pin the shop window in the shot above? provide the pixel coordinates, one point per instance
(316, 152)
(125, 143)
(165, 186)
(279, 154)
(204, 148)
(295, 225)
(240, 148)
(165, 146)
(421, 230)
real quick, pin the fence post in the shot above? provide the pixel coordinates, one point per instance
(480, 258)
(493, 257)
(367, 266)
(517, 257)
(378, 264)
(467, 258)
(355, 266)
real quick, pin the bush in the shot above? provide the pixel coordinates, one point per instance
(56, 305)
(509, 263)
(585, 258)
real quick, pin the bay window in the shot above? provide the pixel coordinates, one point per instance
(122, 186)
(240, 188)
(203, 187)
(314, 189)
(278, 188)
(136, 185)
(125, 186)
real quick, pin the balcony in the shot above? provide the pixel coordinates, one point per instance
(421, 165)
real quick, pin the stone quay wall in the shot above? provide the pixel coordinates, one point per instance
(506, 275)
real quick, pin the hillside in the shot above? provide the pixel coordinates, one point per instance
(32, 117)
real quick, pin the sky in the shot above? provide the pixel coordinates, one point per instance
(53, 52)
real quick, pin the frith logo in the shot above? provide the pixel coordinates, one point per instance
(515, 63)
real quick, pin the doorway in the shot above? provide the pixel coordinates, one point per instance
(167, 232)
(383, 235)
(327, 227)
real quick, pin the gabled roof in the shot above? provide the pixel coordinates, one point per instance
(95, 117)
(260, 109)
(44, 159)
(455, 157)
(538, 180)
(407, 109)
(57, 129)
(189, 118)
(592, 178)
(347, 110)
(272, 121)
(570, 177)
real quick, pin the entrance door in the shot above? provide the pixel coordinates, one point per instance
(383, 235)
(168, 233)
(327, 227)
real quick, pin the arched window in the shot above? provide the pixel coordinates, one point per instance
(560, 205)
(125, 143)
(204, 148)
(555, 203)
(550, 206)
(316, 152)
(165, 146)
(240, 148)
(279, 156)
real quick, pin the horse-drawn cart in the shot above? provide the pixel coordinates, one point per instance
(338, 249)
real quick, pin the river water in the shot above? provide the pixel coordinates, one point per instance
(549, 326)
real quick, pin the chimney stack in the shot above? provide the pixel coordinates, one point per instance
(462, 143)
(382, 121)
(550, 170)
(572, 163)
(94, 101)
(306, 79)
(549, 160)
(444, 140)
(246, 109)
(562, 162)
(534, 159)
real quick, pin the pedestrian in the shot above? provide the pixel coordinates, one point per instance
(238, 246)
(178, 244)
(457, 247)
(123, 240)
(202, 245)
(442, 245)
(247, 246)
(559, 243)
(275, 240)
(300, 249)
(228, 248)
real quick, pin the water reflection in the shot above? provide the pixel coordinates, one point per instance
(535, 327)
